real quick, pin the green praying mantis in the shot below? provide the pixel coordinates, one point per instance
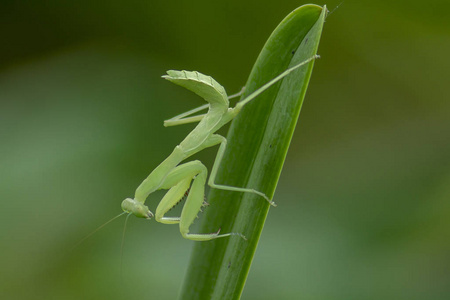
(190, 178)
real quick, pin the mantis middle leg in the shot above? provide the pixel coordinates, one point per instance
(218, 139)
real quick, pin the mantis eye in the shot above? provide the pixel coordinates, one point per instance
(136, 208)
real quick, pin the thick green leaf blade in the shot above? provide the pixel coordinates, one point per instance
(258, 141)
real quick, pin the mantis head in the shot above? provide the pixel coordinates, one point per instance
(136, 208)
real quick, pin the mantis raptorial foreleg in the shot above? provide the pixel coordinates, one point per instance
(178, 182)
(177, 178)
(197, 172)
(194, 202)
(172, 197)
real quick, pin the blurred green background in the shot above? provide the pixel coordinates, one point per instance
(363, 201)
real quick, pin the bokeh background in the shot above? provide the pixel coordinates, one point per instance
(364, 197)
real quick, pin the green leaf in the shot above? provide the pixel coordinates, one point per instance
(258, 141)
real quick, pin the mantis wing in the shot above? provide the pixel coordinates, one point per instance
(204, 86)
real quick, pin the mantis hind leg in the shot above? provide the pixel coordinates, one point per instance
(184, 119)
(218, 139)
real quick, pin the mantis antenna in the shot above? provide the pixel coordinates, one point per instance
(178, 178)
(97, 229)
(122, 243)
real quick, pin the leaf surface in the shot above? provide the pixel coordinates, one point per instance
(258, 141)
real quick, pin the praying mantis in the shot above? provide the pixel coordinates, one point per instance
(191, 177)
